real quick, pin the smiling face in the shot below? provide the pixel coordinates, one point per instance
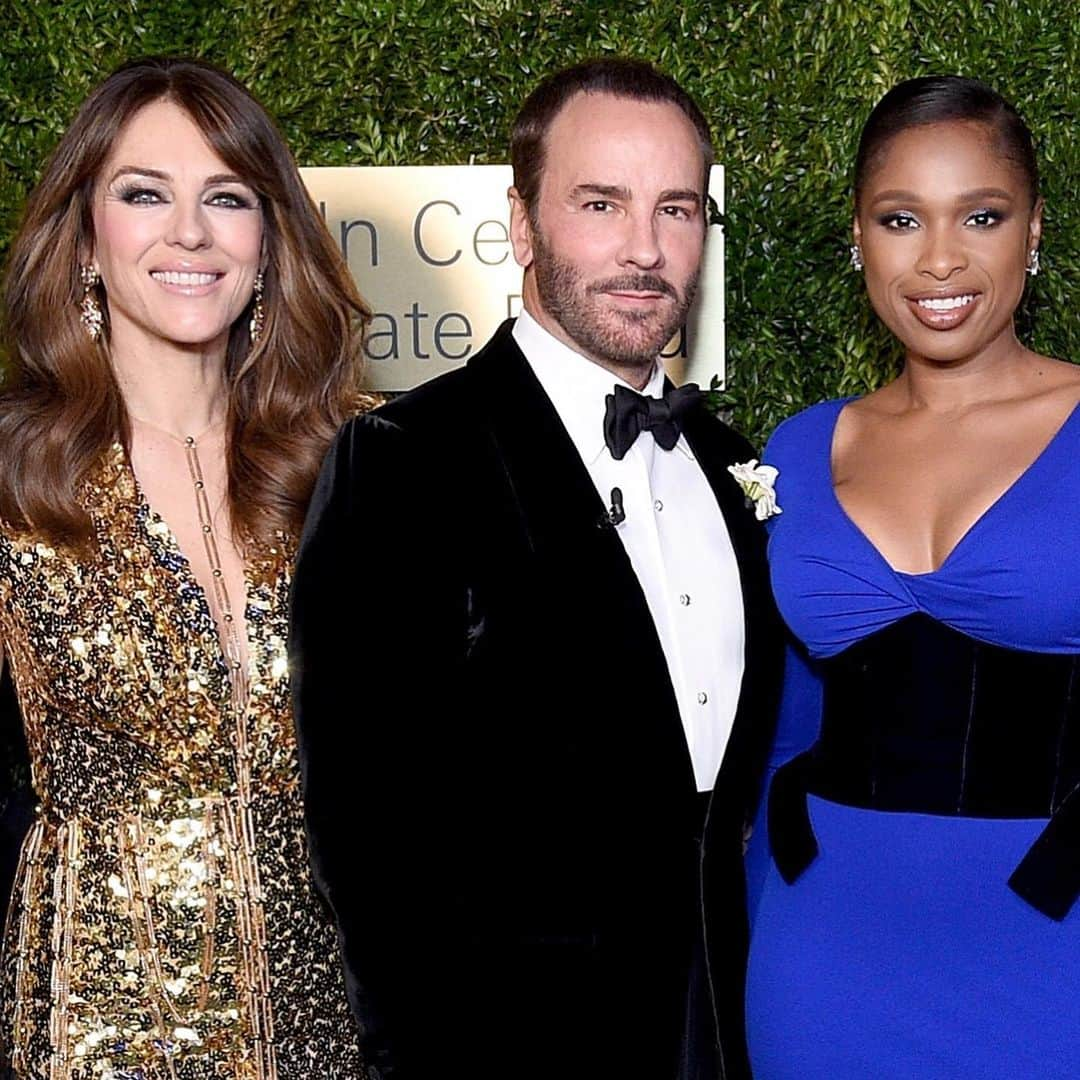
(946, 223)
(613, 247)
(177, 236)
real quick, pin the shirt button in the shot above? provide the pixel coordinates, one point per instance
(684, 600)
(702, 697)
(658, 506)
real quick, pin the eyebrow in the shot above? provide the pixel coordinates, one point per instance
(680, 195)
(615, 191)
(975, 195)
(157, 174)
(606, 191)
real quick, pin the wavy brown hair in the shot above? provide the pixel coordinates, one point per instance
(60, 404)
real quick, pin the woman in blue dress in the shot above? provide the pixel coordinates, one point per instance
(916, 919)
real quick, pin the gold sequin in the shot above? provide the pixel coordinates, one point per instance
(163, 924)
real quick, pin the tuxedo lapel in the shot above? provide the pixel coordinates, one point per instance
(566, 521)
(555, 496)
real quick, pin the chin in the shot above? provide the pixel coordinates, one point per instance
(194, 336)
(649, 337)
(940, 352)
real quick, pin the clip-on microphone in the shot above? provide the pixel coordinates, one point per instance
(616, 513)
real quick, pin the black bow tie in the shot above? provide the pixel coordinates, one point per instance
(628, 414)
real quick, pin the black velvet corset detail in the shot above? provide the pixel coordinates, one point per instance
(921, 718)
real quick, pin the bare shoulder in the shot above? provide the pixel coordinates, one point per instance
(867, 414)
(1055, 377)
(1046, 399)
(881, 404)
(1064, 369)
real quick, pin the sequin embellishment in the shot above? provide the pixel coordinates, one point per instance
(163, 924)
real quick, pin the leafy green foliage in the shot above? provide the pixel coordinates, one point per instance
(785, 84)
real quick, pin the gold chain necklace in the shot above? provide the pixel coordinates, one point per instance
(230, 636)
(233, 652)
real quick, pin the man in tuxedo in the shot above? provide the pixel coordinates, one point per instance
(534, 653)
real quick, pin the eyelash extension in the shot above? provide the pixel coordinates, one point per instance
(996, 216)
(889, 220)
(242, 201)
(892, 220)
(128, 192)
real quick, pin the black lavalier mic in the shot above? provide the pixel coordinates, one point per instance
(616, 513)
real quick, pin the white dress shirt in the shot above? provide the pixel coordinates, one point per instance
(675, 536)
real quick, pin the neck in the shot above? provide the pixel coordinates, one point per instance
(179, 390)
(636, 374)
(999, 372)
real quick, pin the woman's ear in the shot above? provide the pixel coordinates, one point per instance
(1035, 225)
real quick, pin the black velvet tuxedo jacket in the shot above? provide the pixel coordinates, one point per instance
(500, 799)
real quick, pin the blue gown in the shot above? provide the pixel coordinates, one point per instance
(901, 952)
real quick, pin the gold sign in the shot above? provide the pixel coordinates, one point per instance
(429, 248)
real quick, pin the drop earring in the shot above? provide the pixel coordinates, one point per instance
(90, 314)
(258, 312)
(1033, 262)
(856, 257)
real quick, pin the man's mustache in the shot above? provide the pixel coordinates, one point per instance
(635, 283)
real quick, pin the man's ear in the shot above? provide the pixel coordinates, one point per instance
(521, 232)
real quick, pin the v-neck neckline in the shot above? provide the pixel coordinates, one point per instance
(1036, 464)
(187, 575)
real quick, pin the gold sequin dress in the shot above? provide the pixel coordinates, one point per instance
(163, 923)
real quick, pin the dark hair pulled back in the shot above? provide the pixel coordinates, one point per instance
(939, 99)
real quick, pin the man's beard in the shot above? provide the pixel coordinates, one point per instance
(622, 338)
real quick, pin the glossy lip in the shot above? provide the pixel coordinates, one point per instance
(942, 320)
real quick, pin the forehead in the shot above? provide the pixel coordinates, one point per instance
(937, 160)
(601, 138)
(163, 136)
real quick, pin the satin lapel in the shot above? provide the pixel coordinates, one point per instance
(564, 516)
(554, 492)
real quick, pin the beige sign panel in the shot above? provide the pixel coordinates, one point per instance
(430, 251)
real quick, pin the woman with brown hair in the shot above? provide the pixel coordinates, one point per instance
(183, 341)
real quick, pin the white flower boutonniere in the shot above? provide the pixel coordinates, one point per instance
(757, 482)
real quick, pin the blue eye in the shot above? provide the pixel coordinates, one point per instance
(230, 200)
(141, 196)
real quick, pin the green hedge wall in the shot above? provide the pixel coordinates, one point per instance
(785, 85)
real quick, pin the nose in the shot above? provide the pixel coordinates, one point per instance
(188, 227)
(942, 253)
(641, 242)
